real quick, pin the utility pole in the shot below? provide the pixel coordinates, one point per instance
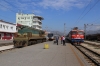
(85, 26)
(85, 31)
(64, 28)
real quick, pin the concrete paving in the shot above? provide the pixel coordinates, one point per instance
(6, 47)
(36, 55)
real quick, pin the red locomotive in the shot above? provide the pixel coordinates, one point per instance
(76, 36)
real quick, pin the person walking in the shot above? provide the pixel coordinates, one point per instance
(57, 38)
(63, 40)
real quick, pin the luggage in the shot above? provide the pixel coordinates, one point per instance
(55, 41)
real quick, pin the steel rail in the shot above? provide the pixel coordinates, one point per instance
(87, 55)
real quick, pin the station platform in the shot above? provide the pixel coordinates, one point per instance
(36, 55)
(6, 41)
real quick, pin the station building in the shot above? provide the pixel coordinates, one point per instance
(30, 20)
(7, 30)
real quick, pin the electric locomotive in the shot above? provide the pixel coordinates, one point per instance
(76, 36)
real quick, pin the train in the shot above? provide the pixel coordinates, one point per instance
(26, 36)
(75, 36)
(50, 36)
(93, 37)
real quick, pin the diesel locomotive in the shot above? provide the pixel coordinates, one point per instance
(28, 36)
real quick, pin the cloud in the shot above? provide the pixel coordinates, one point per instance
(33, 4)
(98, 27)
(63, 4)
(37, 11)
(25, 1)
(4, 6)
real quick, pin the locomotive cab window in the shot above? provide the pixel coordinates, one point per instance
(80, 32)
(50, 35)
(73, 32)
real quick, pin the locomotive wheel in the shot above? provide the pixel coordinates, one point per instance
(78, 43)
(24, 44)
(35, 42)
(30, 43)
(15, 44)
(20, 44)
(40, 41)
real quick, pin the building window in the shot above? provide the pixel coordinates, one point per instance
(28, 17)
(0, 25)
(11, 27)
(25, 18)
(32, 17)
(18, 18)
(8, 34)
(34, 26)
(7, 27)
(4, 26)
(34, 22)
(22, 17)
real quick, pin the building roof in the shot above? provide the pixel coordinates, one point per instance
(19, 24)
(39, 17)
(7, 22)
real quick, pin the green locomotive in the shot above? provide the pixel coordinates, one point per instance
(28, 36)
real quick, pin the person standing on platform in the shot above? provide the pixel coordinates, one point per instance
(63, 40)
(57, 38)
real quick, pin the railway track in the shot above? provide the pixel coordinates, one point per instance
(93, 56)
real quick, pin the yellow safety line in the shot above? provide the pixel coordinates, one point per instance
(77, 56)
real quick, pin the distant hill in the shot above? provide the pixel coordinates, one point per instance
(58, 33)
(93, 32)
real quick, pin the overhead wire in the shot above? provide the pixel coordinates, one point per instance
(83, 12)
(7, 8)
(89, 9)
(86, 12)
(10, 4)
(96, 20)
